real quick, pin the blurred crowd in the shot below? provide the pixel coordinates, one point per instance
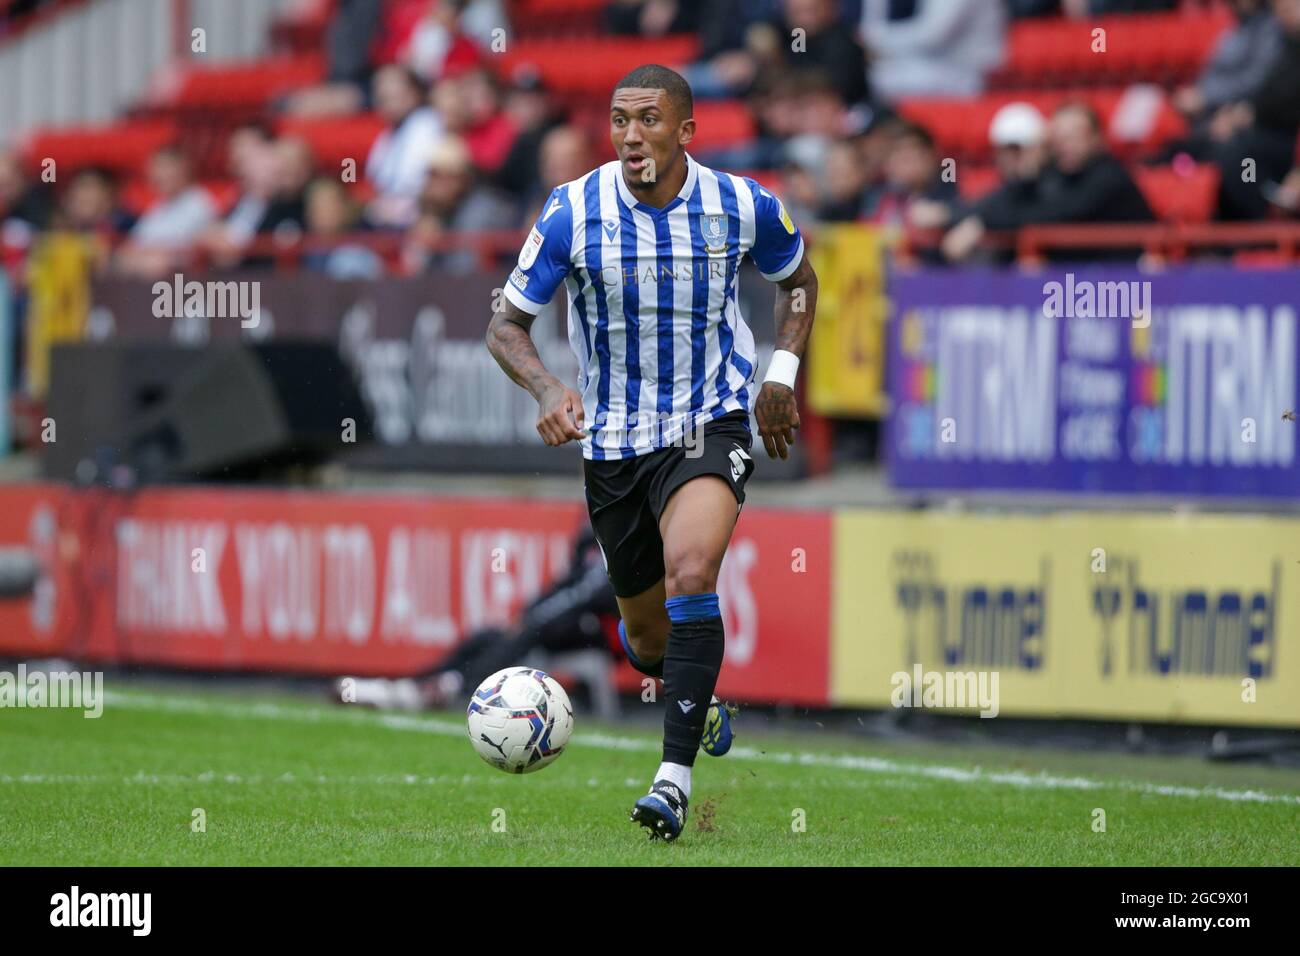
(467, 150)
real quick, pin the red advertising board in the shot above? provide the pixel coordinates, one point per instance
(775, 592)
(33, 521)
(312, 582)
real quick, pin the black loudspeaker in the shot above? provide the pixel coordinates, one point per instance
(175, 413)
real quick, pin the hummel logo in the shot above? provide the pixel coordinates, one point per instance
(555, 204)
(611, 229)
(686, 705)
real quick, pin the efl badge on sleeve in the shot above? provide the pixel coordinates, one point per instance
(532, 245)
(785, 217)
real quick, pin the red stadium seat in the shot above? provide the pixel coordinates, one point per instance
(124, 147)
(592, 65)
(721, 123)
(1176, 194)
(960, 126)
(244, 85)
(975, 181)
(1162, 47)
(336, 138)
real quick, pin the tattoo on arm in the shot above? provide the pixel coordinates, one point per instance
(796, 302)
(511, 344)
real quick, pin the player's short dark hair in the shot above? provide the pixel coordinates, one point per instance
(652, 76)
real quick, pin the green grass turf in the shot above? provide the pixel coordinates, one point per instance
(288, 781)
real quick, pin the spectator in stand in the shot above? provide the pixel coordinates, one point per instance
(1286, 198)
(1084, 182)
(1258, 132)
(1239, 64)
(250, 159)
(353, 31)
(469, 104)
(726, 66)
(845, 183)
(769, 45)
(273, 177)
(431, 34)
(1236, 70)
(820, 120)
(1017, 134)
(331, 217)
(294, 166)
(652, 18)
(90, 205)
(532, 115)
(179, 215)
(244, 140)
(24, 207)
(798, 115)
(932, 47)
(774, 104)
(872, 131)
(565, 156)
(828, 45)
(436, 47)
(399, 157)
(912, 174)
(453, 201)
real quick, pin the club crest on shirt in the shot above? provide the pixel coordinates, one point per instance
(713, 229)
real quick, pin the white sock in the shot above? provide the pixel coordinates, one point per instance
(678, 774)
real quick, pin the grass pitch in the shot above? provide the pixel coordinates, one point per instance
(285, 781)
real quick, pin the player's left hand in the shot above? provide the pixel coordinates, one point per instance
(778, 418)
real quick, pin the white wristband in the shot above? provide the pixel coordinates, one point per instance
(783, 368)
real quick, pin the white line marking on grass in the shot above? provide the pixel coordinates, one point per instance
(881, 765)
(259, 779)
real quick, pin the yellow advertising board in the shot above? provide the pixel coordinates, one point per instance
(1180, 618)
(846, 353)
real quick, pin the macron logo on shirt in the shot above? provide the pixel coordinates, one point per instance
(555, 204)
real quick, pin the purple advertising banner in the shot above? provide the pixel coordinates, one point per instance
(1095, 379)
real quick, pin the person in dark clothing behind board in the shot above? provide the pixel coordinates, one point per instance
(564, 617)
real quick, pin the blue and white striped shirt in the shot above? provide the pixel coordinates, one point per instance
(653, 314)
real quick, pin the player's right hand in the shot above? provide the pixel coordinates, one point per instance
(559, 415)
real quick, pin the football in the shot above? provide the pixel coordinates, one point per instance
(520, 719)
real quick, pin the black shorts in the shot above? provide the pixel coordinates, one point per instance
(626, 497)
